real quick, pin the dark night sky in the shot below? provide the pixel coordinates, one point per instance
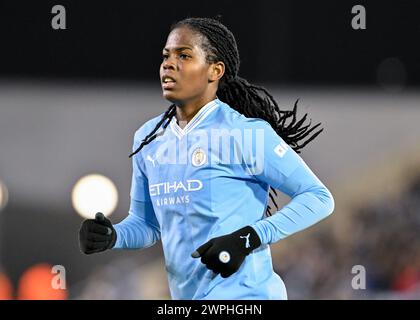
(287, 42)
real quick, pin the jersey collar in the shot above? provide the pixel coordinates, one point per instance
(195, 121)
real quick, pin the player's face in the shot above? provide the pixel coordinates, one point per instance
(184, 72)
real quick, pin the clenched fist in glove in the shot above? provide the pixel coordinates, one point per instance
(225, 254)
(96, 235)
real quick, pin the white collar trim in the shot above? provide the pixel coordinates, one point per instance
(195, 121)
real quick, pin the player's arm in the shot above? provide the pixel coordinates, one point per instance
(139, 229)
(286, 171)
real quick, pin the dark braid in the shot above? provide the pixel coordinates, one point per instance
(152, 135)
(252, 101)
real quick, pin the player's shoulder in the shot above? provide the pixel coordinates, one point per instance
(238, 120)
(147, 127)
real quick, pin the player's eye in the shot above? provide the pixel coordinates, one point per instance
(165, 56)
(184, 56)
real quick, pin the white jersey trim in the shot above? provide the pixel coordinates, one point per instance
(195, 121)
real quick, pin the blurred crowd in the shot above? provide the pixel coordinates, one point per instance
(383, 242)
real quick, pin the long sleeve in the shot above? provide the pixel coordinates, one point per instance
(311, 202)
(285, 170)
(139, 229)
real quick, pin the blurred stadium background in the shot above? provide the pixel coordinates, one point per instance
(71, 100)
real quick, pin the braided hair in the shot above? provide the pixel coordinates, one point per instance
(252, 101)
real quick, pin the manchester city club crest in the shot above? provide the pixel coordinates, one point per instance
(198, 157)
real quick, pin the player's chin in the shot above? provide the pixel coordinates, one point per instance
(171, 95)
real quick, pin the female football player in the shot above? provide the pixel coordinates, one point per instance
(204, 169)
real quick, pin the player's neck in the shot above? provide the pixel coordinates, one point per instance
(185, 112)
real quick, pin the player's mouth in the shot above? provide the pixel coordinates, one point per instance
(168, 82)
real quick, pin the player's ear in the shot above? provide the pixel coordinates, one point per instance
(216, 71)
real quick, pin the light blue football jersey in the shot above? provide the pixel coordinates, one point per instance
(211, 178)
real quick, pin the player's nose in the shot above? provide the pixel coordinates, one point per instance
(168, 64)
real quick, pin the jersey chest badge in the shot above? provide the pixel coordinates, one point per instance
(198, 157)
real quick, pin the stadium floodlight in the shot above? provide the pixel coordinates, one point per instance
(94, 193)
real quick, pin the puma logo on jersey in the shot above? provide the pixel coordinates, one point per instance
(151, 160)
(247, 245)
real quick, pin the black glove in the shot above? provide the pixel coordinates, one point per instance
(225, 254)
(96, 235)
